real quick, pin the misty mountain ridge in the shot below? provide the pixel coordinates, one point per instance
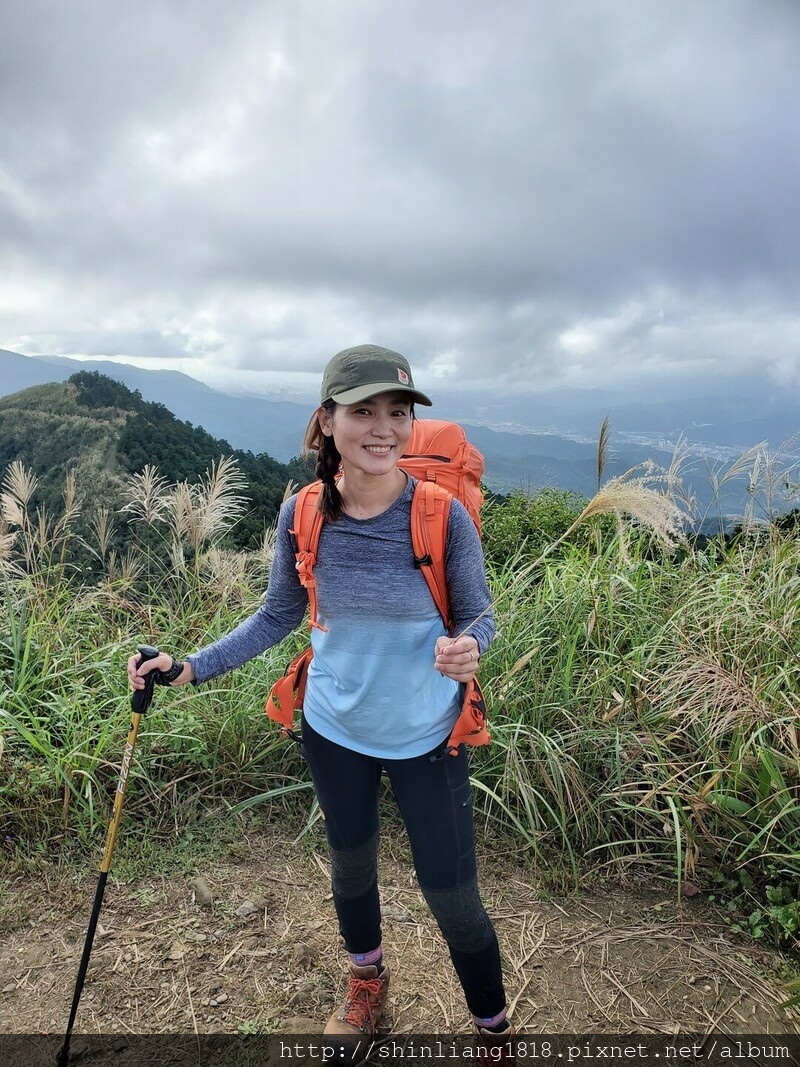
(529, 441)
(105, 434)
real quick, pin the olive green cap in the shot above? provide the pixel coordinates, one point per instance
(366, 370)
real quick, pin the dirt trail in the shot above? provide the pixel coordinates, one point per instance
(262, 955)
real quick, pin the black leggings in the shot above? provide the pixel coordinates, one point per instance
(434, 797)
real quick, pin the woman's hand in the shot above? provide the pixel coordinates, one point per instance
(457, 657)
(162, 662)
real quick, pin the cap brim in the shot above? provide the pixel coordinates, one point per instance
(363, 392)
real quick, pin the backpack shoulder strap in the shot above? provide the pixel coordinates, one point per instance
(306, 529)
(430, 514)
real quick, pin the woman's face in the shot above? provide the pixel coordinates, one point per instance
(370, 436)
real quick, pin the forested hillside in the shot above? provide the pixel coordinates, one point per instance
(104, 432)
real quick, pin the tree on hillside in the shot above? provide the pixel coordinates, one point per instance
(95, 390)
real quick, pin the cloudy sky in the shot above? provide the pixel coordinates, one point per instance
(519, 191)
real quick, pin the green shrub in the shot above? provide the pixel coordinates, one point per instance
(525, 523)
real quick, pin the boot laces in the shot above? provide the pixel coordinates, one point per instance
(363, 996)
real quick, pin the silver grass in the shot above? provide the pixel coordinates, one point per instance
(72, 505)
(41, 528)
(631, 495)
(18, 487)
(602, 449)
(148, 496)
(202, 513)
(225, 572)
(177, 555)
(102, 526)
(674, 477)
(126, 568)
(772, 488)
(70, 491)
(11, 510)
(718, 476)
(702, 689)
(182, 518)
(7, 540)
(748, 463)
(219, 499)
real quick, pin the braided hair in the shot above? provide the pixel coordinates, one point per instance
(328, 464)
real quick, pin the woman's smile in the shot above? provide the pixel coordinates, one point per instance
(377, 428)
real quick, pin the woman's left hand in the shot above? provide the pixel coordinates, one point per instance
(457, 657)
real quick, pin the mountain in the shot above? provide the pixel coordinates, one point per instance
(530, 440)
(276, 427)
(105, 432)
(254, 424)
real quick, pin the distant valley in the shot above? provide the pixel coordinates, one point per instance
(529, 441)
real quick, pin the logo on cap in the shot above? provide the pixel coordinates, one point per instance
(402, 377)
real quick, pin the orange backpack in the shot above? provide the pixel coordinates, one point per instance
(445, 465)
(439, 452)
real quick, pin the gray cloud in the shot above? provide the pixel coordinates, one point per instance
(516, 191)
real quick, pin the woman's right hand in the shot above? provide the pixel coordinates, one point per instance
(162, 662)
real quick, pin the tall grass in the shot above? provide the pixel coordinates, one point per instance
(64, 704)
(643, 702)
(645, 711)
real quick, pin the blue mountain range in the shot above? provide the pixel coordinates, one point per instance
(529, 440)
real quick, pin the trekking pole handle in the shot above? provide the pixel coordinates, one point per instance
(141, 699)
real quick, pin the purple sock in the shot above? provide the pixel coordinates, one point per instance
(493, 1023)
(367, 959)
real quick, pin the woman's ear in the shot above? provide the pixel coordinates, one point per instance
(325, 418)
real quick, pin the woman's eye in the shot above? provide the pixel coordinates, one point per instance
(398, 413)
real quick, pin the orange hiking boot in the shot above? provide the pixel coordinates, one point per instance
(363, 1005)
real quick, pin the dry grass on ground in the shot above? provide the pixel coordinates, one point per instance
(263, 955)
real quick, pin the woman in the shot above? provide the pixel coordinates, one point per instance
(383, 690)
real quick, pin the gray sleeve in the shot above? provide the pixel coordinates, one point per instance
(466, 577)
(280, 613)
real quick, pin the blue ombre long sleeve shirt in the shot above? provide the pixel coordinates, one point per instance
(372, 686)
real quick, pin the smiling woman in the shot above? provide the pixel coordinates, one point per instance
(385, 684)
(360, 430)
(370, 438)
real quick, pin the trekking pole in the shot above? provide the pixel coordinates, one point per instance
(140, 702)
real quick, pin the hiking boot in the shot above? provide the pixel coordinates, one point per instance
(363, 1005)
(498, 1047)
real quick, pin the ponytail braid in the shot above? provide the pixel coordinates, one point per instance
(327, 464)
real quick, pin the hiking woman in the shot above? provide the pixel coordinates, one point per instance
(384, 685)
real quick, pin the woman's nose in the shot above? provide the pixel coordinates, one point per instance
(382, 426)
